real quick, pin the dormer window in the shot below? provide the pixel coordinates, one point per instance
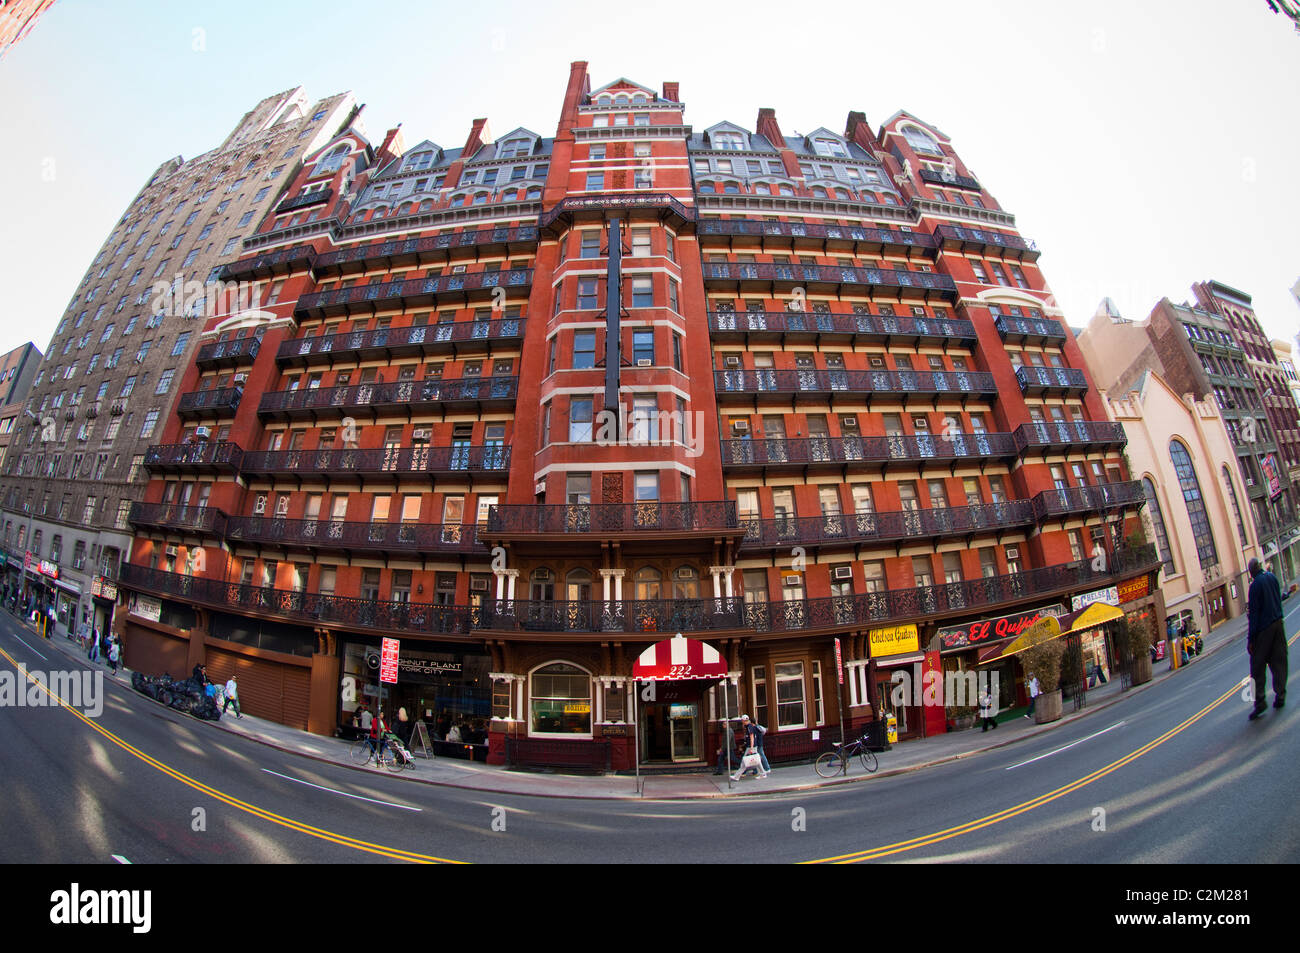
(829, 147)
(921, 141)
(513, 148)
(728, 140)
(418, 162)
(333, 161)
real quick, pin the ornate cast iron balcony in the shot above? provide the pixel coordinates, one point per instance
(566, 210)
(353, 536)
(611, 519)
(429, 396)
(228, 353)
(860, 238)
(389, 343)
(395, 462)
(983, 240)
(278, 262)
(414, 292)
(1051, 380)
(201, 404)
(1070, 435)
(1029, 330)
(858, 528)
(203, 456)
(949, 179)
(779, 453)
(418, 251)
(742, 276)
(831, 326)
(205, 520)
(305, 200)
(782, 383)
(1088, 499)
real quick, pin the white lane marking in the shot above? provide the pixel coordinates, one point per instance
(404, 807)
(1066, 748)
(120, 859)
(24, 643)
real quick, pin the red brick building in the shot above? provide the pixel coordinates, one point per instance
(533, 404)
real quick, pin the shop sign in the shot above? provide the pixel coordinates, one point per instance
(894, 640)
(614, 731)
(388, 661)
(427, 666)
(988, 631)
(1138, 588)
(1269, 466)
(49, 569)
(146, 607)
(1109, 596)
(577, 708)
(839, 662)
(102, 588)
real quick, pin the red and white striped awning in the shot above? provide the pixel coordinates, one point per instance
(679, 658)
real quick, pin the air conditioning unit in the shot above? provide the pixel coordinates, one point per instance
(202, 433)
(644, 362)
(740, 426)
(685, 572)
(259, 507)
(918, 311)
(420, 433)
(171, 551)
(733, 362)
(240, 379)
(792, 579)
(1013, 553)
(920, 423)
(478, 585)
(843, 572)
(848, 421)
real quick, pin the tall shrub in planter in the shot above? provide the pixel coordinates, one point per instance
(1044, 661)
(1140, 638)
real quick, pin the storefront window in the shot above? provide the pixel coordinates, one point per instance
(790, 695)
(560, 700)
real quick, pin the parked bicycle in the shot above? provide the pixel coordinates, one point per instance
(395, 757)
(836, 761)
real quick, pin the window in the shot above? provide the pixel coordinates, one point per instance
(1206, 551)
(643, 346)
(587, 294)
(182, 341)
(584, 349)
(790, 711)
(580, 419)
(560, 700)
(165, 381)
(642, 292)
(595, 181)
(150, 421)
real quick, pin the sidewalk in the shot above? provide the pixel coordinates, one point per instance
(908, 756)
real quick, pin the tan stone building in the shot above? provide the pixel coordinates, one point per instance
(1179, 448)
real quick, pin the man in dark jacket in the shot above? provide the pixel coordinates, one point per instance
(1265, 637)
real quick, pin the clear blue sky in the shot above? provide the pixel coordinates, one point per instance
(1144, 146)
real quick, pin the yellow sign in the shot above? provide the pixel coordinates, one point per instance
(578, 708)
(894, 640)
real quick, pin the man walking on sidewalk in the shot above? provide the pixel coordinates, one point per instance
(1265, 637)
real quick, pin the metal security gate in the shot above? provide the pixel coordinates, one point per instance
(1074, 681)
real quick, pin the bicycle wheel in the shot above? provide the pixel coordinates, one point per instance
(868, 759)
(395, 762)
(360, 752)
(830, 764)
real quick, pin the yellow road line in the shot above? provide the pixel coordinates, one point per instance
(340, 839)
(1000, 816)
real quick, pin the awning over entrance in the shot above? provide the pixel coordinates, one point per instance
(679, 658)
(1049, 627)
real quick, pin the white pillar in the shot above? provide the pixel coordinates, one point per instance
(717, 581)
(618, 583)
(501, 583)
(512, 575)
(604, 582)
(730, 590)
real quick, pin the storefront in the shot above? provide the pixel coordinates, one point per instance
(445, 686)
(103, 598)
(961, 647)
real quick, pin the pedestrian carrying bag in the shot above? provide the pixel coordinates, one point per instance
(751, 760)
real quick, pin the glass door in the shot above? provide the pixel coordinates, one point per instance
(682, 721)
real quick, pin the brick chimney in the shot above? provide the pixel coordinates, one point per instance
(479, 134)
(672, 91)
(856, 129)
(766, 126)
(393, 148)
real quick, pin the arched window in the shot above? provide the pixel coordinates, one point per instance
(578, 586)
(1236, 510)
(1191, 487)
(534, 193)
(1158, 526)
(559, 700)
(686, 583)
(333, 161)
(649, 583)
(421, 160)
(920, 140)
(639, 99)
(620, 99)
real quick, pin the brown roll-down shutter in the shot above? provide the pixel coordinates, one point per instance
(268, 689)
(154, 653)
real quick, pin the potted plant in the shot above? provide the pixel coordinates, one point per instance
(1139, 646)
(961, 717)
(1044, 661)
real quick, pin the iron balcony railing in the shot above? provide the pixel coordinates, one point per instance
(616, 202)
(983, 239)
(199, 455)
(1087, 499)
(280, 261)
(1029, 330)
(308, 607)
(222, 402)
(207, 520)
(422, 396)
(830, 325)
(862, 237)
(644, 616)
(821, 383)
(379, 461)
(838, 275)
(605, 519)
(305, 200)
(1051, 380)
(339, 534)
(830, 529)
(412, 291)
(419, 249)
(1072, 434)
(948, 178)
(805, 451)
(396, 342)
(228, 353)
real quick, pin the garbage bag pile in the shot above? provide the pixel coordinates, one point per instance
(181, 694)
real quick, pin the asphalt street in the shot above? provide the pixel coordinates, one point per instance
(1174, 774)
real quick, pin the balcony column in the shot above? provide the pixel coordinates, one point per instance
(511, 575)
(730, 591)
(605, 575)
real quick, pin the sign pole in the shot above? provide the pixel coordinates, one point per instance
(636, 731)
(839, 689)
(726, 725)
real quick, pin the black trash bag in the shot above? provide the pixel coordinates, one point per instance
(182, 702)
(164, 696)
(137, 681)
